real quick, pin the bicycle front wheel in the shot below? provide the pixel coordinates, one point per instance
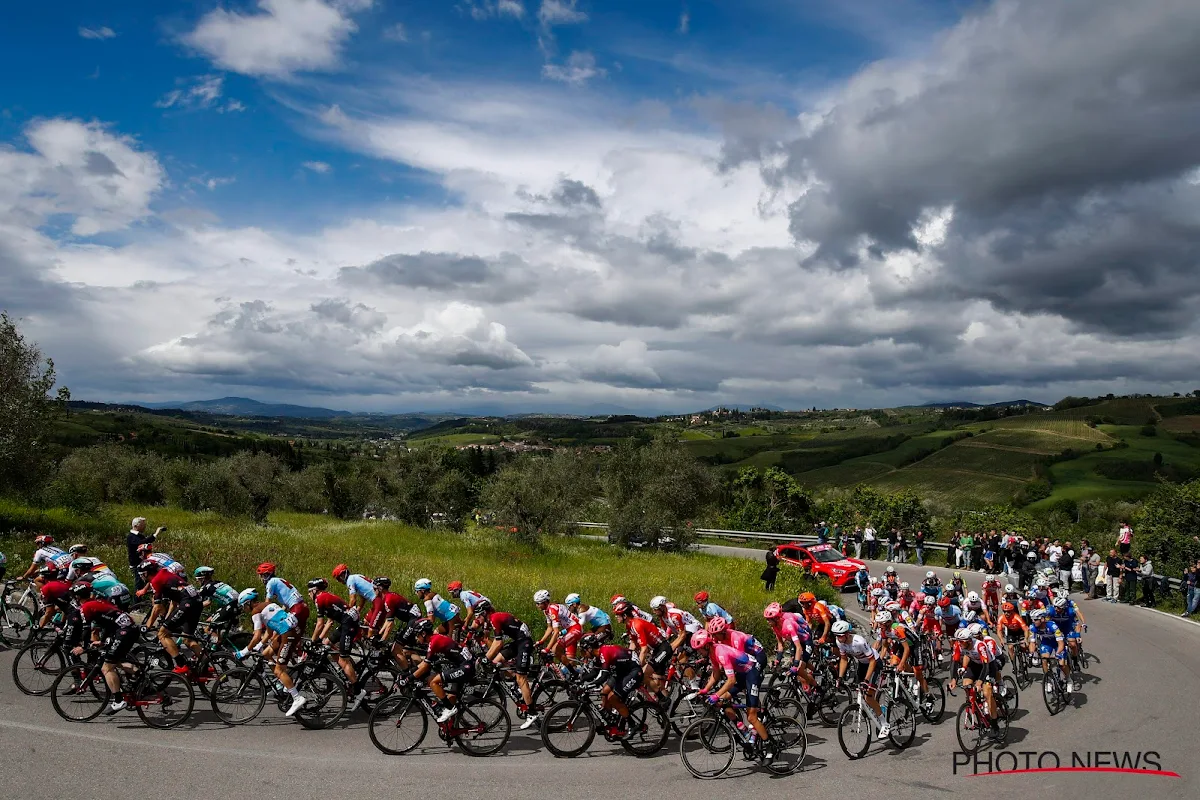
(1052, 694)
(647, 730)
(707, 747)
(933, 702)
(902, 722)
(325, 695)
(482, 727)
(1011, 691)
(788, 743)
(79, 694)
(397, 725)
(36, 666)
(237, 696)
(970, 729)
(854, 731)
(568, 728)
(165, 700)
(16, 626)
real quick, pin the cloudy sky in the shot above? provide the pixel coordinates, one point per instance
(585, 204)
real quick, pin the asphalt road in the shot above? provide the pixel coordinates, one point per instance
(1140, 697)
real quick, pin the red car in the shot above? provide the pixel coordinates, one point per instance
(820, 559)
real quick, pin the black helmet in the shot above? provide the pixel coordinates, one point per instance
(483, 606)
(318, 585)
(49, 572)
(76, 549)
(423, 627)
(382, 582)
(149, 567)
(82, 591)
(590, 641)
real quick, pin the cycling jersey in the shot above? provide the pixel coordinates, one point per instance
(1048, 637)
(743, 641)
(711, 609)
(170, 587)
(330, 606)
(835, 612)
(360, 587)
(679, 621)
(732, 661)
(165, 562)
(596, 617)
(439, 609)
(975, 650)
(931, 586)
(221, 594)
(51, 556)
(610, 656)
(470, 599)
(283, 593)
(506, 625)
(791, 628)
(1066, 619)
(950, 615)
(107, 586)
(390, 605)
(558, 616)
(443, 648)
(55, 592)
(106, 616)
(1010, 623)
(858, 649)
(275, 618)
(643, 633)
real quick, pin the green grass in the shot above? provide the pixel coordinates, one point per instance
(986, 460)
(1063, 426)
(309, 545)
(693, 435)
(1037, 441)
(950, 488)
(454, 440)
(847, 474)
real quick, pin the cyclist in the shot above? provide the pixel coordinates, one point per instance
(676, 622)
(1011, 595)
(791, 630)
(218, 595)
(877, 598)
(563, 630)
(991, 595)
(83, 564)
(649, 645)
(286, 596)
(53, 591)
(1046, 640)
(867, 669)
(469, 600)
(47, 555)
(816, 614)
(908, 598)
(862, 581)
(178, 604)
(903, 643)
(977, 664)
(999, 656)
(637, 612)
(957, 587)
(928, 624)
(974, 603)
(932, 585)
(120, 633)
(1011, 627)
(891, 583)
(331, 609)
(720, 632)
(442, 613)
(949, 615)
(456, 668)
(1069, 618)
(709, 609)
(104, 582)
(740, 673)
(596, 617)
(282, 627)
(520, 646)
(362, 591)
(389, 608)
(618, 673)
(147, 553)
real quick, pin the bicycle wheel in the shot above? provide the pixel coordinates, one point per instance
(788, 744)
(707, 747)
(902, 719)
(212, 667)
(548, 693)
(398, 725)
(326, 700)
(79, 694)
(684, 711)
(16, 626)
(1011, 692)
(237, 696)
(854, 731)
(482, 727)
(969, 728)
(164, 700)
(832, 706)
(647, 729)
(1021, 670)
(1055, 702)
(933, 702)
(36, 666)
(568, 728)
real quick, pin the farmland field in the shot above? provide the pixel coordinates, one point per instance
(1038, 441)
(455, 440)
(1188, 424)
(950, 487)
(1063, 426)
(846, 474)
(988, 460)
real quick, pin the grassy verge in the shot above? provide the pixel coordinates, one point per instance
(309, 545)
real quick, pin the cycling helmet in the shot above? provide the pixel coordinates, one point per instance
(1032, 556)
(42, 541)
(145, 550)
(891, 570)
(541, 596)
(318, 585)
(962, 634)
(841, 627)
(483, 606)
(943, 602)
(975, 629)
(1061, 591)
(716, 626)
(701, 597)
(423, 627)
(657, 602)
(1009, 588)
(969, 616)
(617, 598)
(422, 585)
(772, 611)
(454, 586)
(266, 569)
(973, 597)
(203, 572)
(1008, 607)
(883, 617)
(1037, 614)
(930, 600)
(1042, 583)
(904, 586)
(930, 574)
(341, 572)
(573, 599)
(77, 549)
(247, 596)
(806, 597)
(699, 640)
(892, 606)
(81, 565)
(622, 608)
(48, 572)
(877, 592)
(957, 574)
(590, 641)
(382, 582)
(81, 591)
(149, 567)
(1060, 602)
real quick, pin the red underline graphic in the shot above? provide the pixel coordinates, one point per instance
(1127, 770)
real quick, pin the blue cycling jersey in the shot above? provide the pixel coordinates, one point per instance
(283, 592)
(711, 609)
(1048, 635)
(358, 585)
(440, 609)
(1065, 619)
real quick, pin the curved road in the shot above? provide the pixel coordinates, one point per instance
(1140, 697)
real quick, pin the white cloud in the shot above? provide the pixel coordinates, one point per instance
(200, 92)
(579, 68)
(396, 33)
(319, 167)
(560, 12)
(512, 8)
(104, 32)
(486, 9)
(685, 22)
(285, 37)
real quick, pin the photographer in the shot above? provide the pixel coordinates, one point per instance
(136, 538)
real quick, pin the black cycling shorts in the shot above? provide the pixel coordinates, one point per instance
(224, 616)
(184, 619)
(347, 632)
(625, 679)
(979, 672)
(118, 645)
(660, 658)
(522, 657)
(860, 672)
(454, 677)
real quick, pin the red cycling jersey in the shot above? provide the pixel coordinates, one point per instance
(643, 633)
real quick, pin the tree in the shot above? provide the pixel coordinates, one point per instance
(1168, 526)
(883, 510)
(655, 491)
(535, 494)
(27, 409)
(767, 500)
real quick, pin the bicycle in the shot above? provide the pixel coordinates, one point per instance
(398, 724)
(931, 704)
(708, 745)
(239, 695)
(1054, 689)
(546, 688)
(857, 723)
(972, 725)
(569, 727)
(162, 699)
(17, 623)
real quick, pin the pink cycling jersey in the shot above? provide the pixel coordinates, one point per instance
(743, 641)
(792, 627)
(731, 661)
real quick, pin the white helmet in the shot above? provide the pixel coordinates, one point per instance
(929, 574)
(840, 627)
(891, 570)
(903, 585)
(572, 599)
(657, 602)
(883, 617)
(1037, 613)
(877, 592)
(973, 597)
(930, 599)
(975, 629)
(970, 616)
(892, 606)
(1009, 588)
(1032, 556)
(247, 595)
(422, 585)
(1060, 602)
(962, 634)
(541, 596)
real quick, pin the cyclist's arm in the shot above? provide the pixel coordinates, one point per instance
(726, 687)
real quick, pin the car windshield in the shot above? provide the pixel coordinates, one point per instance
(826, 556)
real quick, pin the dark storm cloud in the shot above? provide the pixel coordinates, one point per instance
(572, 193)
(501, 279)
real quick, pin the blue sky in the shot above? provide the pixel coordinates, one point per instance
(555, 204)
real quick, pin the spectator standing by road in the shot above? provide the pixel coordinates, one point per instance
(136, 538)
(1189, 589)
(1130, 572)
(1124, 539)
(902, 548)
(919, 541)
(772, 571)
(869, 542)
(1112, 572)
(1093, 573)
(1146, 572)
(857, 539)
(891, 545)
(1066, 560)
